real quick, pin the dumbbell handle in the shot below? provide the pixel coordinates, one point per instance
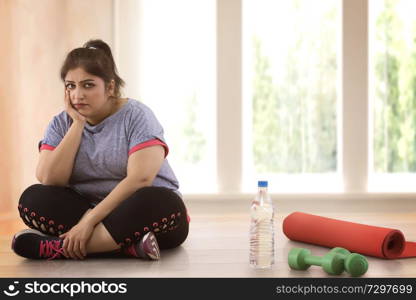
(313, 260)
(302, 259)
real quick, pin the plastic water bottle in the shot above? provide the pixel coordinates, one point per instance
(262, 229)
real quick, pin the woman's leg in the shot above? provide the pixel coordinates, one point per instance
(155, 209)
(145, 200)
(54, 210)
(101, 240)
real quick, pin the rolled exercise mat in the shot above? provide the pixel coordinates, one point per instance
(360, 238)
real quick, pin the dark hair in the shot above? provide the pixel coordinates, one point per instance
(95, 58)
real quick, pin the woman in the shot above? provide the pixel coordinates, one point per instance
(106, 185)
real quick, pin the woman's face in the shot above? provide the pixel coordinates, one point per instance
(87, 93)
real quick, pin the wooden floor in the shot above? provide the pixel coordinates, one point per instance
(217, 245)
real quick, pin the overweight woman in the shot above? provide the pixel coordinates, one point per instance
(106, 185)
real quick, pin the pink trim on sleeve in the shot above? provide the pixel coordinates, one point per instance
(148, 144)
(47, 147)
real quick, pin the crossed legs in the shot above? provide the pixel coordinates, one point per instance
(54, 210)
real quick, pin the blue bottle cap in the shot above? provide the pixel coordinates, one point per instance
(262, 184)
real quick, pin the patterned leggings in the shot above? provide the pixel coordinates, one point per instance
(54, 210)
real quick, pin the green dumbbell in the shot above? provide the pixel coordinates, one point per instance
(355, 264)
(301, 259)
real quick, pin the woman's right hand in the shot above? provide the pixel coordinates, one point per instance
(71, 111)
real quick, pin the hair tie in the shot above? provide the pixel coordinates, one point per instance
(91, 47)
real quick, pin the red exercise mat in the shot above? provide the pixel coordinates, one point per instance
(359, 238)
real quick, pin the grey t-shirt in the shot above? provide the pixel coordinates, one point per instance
(101, 160)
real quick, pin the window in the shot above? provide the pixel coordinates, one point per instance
(176, 79)
(314, 96)
(291, 75)
(393, 93)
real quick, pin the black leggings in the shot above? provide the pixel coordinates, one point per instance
(54, 210)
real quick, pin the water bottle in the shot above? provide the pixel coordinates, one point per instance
(262, 229)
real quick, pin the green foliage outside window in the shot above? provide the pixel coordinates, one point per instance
(395, 91)
(294, 118)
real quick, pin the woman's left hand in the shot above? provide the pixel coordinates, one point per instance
(75, 240)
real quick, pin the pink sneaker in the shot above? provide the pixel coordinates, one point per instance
(31, 243)
(146, 248)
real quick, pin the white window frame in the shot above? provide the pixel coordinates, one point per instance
(353, 113)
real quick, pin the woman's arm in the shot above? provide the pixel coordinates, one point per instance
(55, 167)
(142, 168)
